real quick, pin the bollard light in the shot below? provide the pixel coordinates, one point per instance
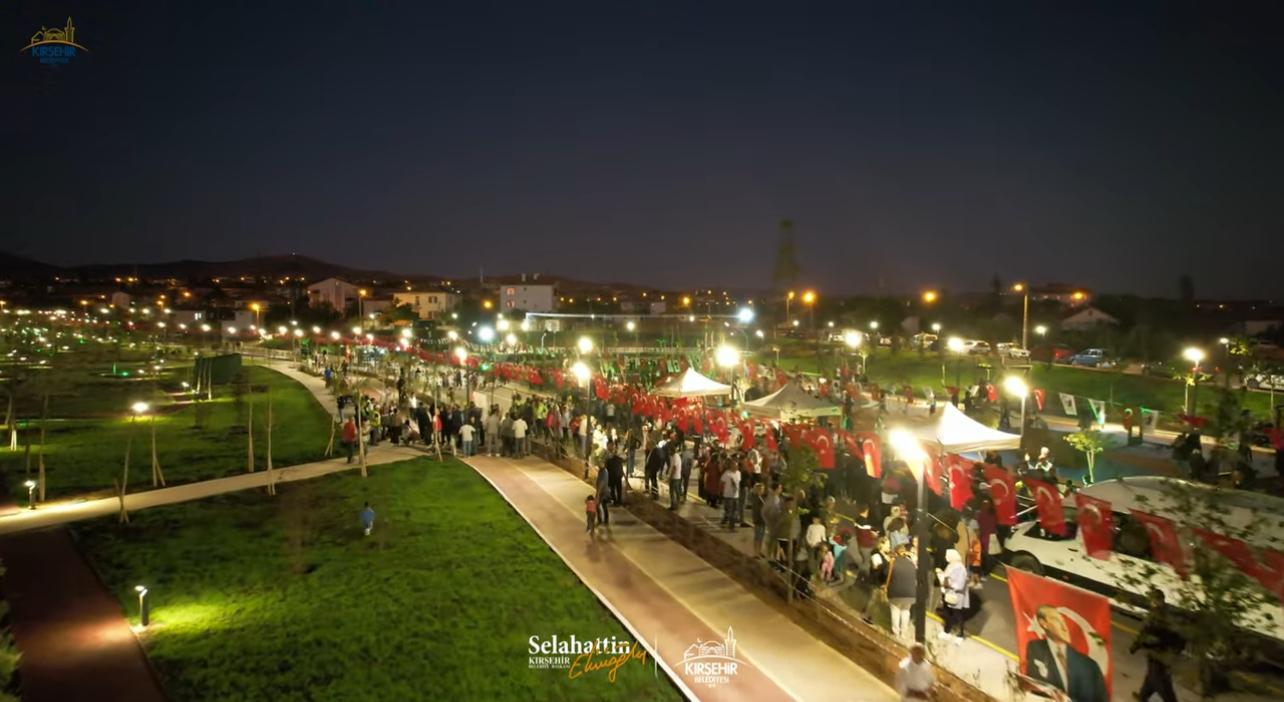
(144, 610)
(31, 489)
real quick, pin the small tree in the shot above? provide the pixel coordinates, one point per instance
(1218, 601)
(1091, 442)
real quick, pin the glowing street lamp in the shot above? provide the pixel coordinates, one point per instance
(727, 356)
(582, 375)
(585, 345)
(930, 296)
(1025, 312)
(510, 339)
(1195, 355)
(955, 346)
(745, 315)
(485, 334)
(462, 354)
(909, 450)
(335, 335)
(452, 335)
(1016, 385)
(31, 494)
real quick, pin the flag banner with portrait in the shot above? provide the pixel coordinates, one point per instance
(1067, 404)
(1063, 638)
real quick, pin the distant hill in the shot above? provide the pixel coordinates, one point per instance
(19, 267)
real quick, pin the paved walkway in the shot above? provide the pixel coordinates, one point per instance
(670, 599)
(75, 644)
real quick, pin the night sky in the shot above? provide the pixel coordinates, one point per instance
(915, 144)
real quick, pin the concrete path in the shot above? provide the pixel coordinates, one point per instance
(75, 644)
(670, 599)
(65, 512)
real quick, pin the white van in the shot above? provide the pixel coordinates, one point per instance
(1030, 548)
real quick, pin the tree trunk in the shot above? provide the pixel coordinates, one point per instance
(44, 416)
(271, 485)
(158, 476)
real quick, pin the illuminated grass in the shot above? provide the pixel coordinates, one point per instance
(282, 598)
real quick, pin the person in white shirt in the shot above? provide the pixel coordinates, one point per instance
(519, 436)
(730, 495)
(466, 436)
(914, 677)
(673, 472)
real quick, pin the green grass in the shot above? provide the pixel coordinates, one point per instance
(1151, 392)
(89, 429)
(282, 598)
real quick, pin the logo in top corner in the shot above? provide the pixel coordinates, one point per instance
(711, 662)
(55, 46)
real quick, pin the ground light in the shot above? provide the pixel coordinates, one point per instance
(31, 488)
(144, 605)
(908, 449)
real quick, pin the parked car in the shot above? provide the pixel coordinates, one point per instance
(922, 340)
(1092, 358)
(1032, 549)
(1012, 350)
(1160, 369)
(976, 347)
(1265, 381)
(1060, 353)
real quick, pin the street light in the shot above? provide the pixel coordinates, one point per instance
(1015, 385)
(1195, 355)
(909, 450)
(955, 346)
(930, 296)
(486, 334)
(1025, 312)
(745, 315)
(582, 374)
(585, 345)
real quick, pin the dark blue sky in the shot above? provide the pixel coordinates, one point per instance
(915, 144)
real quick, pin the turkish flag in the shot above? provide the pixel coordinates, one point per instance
(1039, 397)
(1052, 517)
(683, 421)
(1096, 525)
(991, 393)
(770, 438)
(1045, 608)
(1234, 550)
(873, 455)
(1003, 492)
(746, 436)
(698, 421)
(932, 464)
(1165, 545)
(849, 442)
(1272, 573)
(719, 426)
(960, 483)
(822, 444)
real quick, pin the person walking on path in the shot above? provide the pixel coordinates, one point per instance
(614, 467)
(688, 462)
(519, 437)
(466, 433)
(954, 591)
(367, 517)
(349, 437)
(730, 496)
(914, 677)
(901, 591)
(603, 487)
(673, 473)
(590, 513)
(1162, 645)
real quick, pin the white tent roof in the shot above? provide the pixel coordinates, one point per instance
(692, 384)
(792, 401)
(956, 432)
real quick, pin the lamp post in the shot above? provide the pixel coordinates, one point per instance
(852, 338)
(1025, 311)
(809, 299)
(583, 375)
(728, 358)
(1042, 331)
(908, 449)
(955, 345)
(144, 605)
(31, 489)
(1015, 385)
(1195, 355)
(462, 354)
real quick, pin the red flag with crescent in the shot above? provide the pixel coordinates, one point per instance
(684, 421)
(1003, 492)
(746, 436)
(719, 426)
(960, 483)
(1234, 550)
(822, 444)
(1052, 516)
(849, 442)
(1039, 397)
(873, 454)
(769, 437)
(1165, 545)
(1096, 525)
(794, 432)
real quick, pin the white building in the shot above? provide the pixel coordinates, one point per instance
(1087, 318)
(528, 298)
(334, 292)
(428, 304)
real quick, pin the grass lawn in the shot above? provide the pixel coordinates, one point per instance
(282, 598)
(89, 428)
(907, 366)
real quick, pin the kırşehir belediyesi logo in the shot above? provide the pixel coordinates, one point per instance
(55, 46)
(711, 662)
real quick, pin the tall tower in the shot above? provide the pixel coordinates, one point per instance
(730, 642)
(70, 32)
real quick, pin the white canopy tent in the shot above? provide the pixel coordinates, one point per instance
(692, 384)
(790, 402)
(955, 432)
